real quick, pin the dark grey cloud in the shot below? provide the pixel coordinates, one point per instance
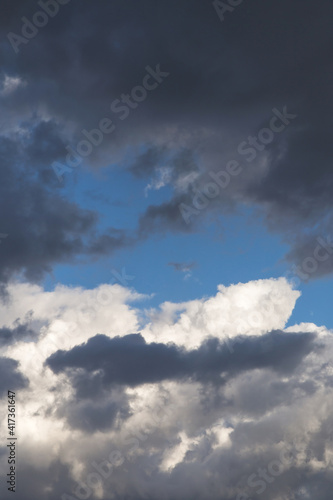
(164, 217)
(10, 376)
(91, 416)
(44, 145)
(93, 407)
(44, 227)
(312, 254)
(130, 361)
(55, 480)
(218, 93)
(146, 163)
(179, 164)
(20, 333)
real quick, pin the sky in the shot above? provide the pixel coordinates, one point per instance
(166, 253)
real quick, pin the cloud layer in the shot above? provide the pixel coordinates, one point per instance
(215, 106)
(107, 411)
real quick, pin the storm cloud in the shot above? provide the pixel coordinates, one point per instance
(129, 360)
(219, 93)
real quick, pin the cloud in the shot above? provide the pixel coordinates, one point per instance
(213, 101)
(20, 333)
(146, 163)
(44, 228)
(91, 416)
(182, 266)
(55, 478)
(130, 361)
(10, 376)
(10, 84)
(175, 409)
(242, 309)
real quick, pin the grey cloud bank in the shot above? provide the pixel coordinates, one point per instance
(251, 63)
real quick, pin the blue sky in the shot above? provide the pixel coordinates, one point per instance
(234, 248)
